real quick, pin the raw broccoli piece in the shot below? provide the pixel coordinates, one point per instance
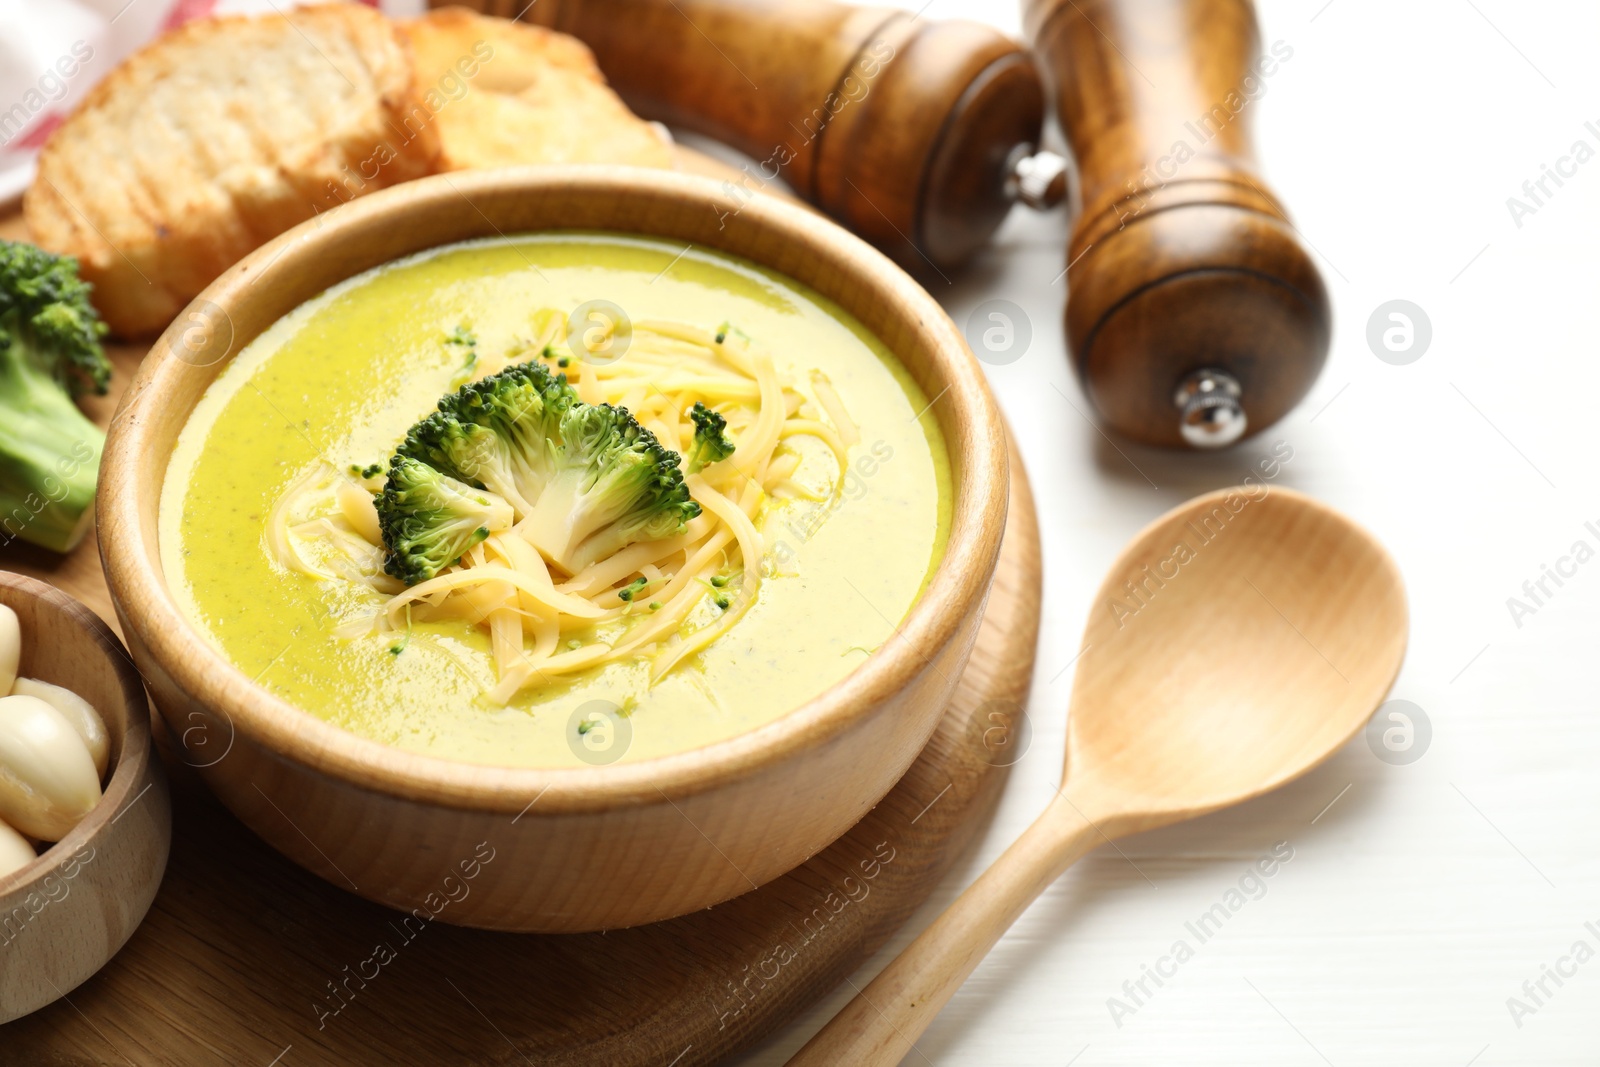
(49, 353)
(711, 440)
(429, 520)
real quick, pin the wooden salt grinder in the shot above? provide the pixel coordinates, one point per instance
(1194, 313)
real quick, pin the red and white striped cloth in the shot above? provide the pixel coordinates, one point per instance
(53, 51)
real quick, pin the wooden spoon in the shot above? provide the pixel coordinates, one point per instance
(1237, 643)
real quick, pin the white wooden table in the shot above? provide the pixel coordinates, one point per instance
(1422, 896)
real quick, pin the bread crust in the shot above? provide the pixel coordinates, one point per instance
(216, 138)
(512, 93)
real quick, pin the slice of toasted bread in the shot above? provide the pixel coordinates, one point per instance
(216, 138)
(510, 55)
(506, 93)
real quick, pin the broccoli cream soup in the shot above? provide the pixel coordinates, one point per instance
(556, 500)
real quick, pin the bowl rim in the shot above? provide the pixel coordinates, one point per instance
(957, 588)
(136, 750)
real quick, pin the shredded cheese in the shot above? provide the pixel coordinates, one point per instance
(639, 601)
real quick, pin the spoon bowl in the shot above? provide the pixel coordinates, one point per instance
(1237, 642)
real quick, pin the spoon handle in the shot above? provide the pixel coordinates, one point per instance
(883, 1021)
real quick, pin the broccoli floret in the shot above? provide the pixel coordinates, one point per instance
(583, 479)
(49, 353)
(612, 484)
(497, 433)
(429, 520)
(711, 440)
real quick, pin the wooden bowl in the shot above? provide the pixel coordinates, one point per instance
(554, 850)
(63, 916)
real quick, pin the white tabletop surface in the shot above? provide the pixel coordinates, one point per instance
(1420, 896)
(1424, 897)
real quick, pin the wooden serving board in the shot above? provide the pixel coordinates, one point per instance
(246, 959)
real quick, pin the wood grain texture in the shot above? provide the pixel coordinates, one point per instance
(241, 946)
(900, 127)
(1405, 920)
(1181, 258)
(690, 829)
(1239, 641)
(64, 916)
(235, 961)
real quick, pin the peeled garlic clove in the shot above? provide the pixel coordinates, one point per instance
(15, 852)
(10, 648)
(77, 711)
(47, 777)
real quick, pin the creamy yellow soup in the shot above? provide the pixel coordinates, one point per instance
(339, 381)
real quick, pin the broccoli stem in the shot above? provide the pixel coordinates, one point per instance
(49, 453)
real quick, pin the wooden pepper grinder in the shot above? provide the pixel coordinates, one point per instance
(918, 135)
(1194, 314)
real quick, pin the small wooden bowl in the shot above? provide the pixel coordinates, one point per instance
(555, 850)
(65, 915)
